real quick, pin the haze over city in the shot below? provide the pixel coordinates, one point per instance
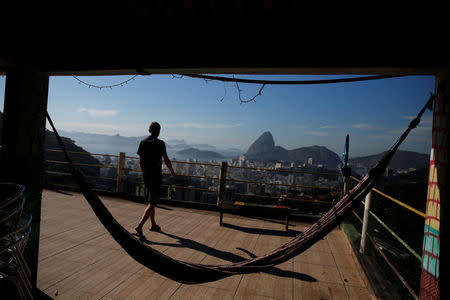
(374, 113)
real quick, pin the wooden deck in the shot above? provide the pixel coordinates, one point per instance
(79, 259)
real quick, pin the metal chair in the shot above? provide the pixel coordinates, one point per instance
(10, 216)
(9, 193)
(11, 206)
(12, 263)
(14, 233)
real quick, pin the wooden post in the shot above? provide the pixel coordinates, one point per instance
(23, 146)
(222, 183)
(362, 248)
(221, 188)
(120, 167)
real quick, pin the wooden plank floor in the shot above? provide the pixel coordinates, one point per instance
(79, 259)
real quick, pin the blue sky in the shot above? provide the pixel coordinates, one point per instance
(373, 112)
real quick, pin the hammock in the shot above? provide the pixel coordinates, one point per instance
(191, 273)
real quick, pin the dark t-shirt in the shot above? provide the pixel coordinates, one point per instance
(151, 151)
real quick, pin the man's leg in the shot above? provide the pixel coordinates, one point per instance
(147, 212)
(154, 199)
(152, 216)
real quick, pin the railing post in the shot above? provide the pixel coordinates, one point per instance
(362, 248)
(120, 167)
(221, 187)
(222, 182)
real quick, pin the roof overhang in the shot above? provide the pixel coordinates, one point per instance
(213, 36)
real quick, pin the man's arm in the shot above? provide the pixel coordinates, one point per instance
(141, 164)
(169, 165)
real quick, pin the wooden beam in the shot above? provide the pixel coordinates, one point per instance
(23, 145)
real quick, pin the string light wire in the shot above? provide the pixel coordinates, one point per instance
(105, 86)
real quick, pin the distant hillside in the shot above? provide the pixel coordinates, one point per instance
(420, 176)
(84, 157)
(113, 144)
(319, 155)
(264, 148)
(199, 154)
(402, 160)
(106, 144)
(52, 143)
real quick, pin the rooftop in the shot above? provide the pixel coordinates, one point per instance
(79, 259)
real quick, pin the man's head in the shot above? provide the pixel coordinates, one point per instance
(154, 129)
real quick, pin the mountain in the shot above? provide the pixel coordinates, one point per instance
(199, 154)
(106, 144)
(319, 154)
(264, 148)
(402, 160)
(113, 144)
(264, 144)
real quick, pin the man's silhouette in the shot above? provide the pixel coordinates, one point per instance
(151, 152)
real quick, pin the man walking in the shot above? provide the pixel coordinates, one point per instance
(150, 152)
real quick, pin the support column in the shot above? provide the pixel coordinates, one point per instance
(365, 224)
(435, 266)
(23, 146)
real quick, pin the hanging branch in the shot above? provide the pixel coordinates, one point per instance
(225, 93)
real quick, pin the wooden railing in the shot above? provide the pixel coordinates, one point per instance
(220, 188)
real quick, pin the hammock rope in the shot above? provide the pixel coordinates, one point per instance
(191, 273)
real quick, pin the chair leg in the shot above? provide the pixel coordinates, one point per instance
(221, 218)
(22, 259)
(16, 282)
(19, 289)
(22, 269)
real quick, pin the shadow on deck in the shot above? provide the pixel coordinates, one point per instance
(78, 258)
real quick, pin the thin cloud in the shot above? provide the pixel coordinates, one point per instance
(204, 125)
(102, 128)
(425, 120)
(98, 113)
(418, 129)
(328, 127)
(361, 126)
(300, 126)
(316, 133)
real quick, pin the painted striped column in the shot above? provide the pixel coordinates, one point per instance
(429, 284)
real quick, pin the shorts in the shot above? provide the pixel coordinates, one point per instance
(152, 189)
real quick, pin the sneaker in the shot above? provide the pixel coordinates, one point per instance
(139, 232)
(155, 228)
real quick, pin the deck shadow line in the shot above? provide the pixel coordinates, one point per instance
(262, 231)
(226, 255)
